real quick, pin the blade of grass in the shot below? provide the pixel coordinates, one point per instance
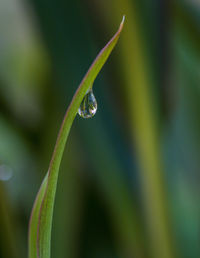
(143, 116)
(42, 213)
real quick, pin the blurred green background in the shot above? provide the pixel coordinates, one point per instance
(129, 180)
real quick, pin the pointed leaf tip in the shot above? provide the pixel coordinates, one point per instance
(123, 19)
(122, 22)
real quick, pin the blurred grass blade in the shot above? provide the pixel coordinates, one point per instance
(9, 245)
(42, 213)
(143, 117)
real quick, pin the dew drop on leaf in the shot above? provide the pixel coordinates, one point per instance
(88, 105)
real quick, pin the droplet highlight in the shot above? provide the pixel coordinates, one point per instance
(88, 107)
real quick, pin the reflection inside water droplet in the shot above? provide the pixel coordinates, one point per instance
(88, 105)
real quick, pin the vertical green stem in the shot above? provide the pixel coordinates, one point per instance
(134, 65)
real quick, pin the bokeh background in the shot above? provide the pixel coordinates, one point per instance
(129, 184)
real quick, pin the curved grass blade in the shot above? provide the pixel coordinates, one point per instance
(41, 217)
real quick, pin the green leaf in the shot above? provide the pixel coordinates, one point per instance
(41, 217)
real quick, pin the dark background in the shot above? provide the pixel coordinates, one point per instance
(129, 180)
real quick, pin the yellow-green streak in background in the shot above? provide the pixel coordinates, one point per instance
(138, 87)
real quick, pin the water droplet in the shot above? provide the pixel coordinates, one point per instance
(88, 105)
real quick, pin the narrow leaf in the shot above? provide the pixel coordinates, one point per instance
(41, 217)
